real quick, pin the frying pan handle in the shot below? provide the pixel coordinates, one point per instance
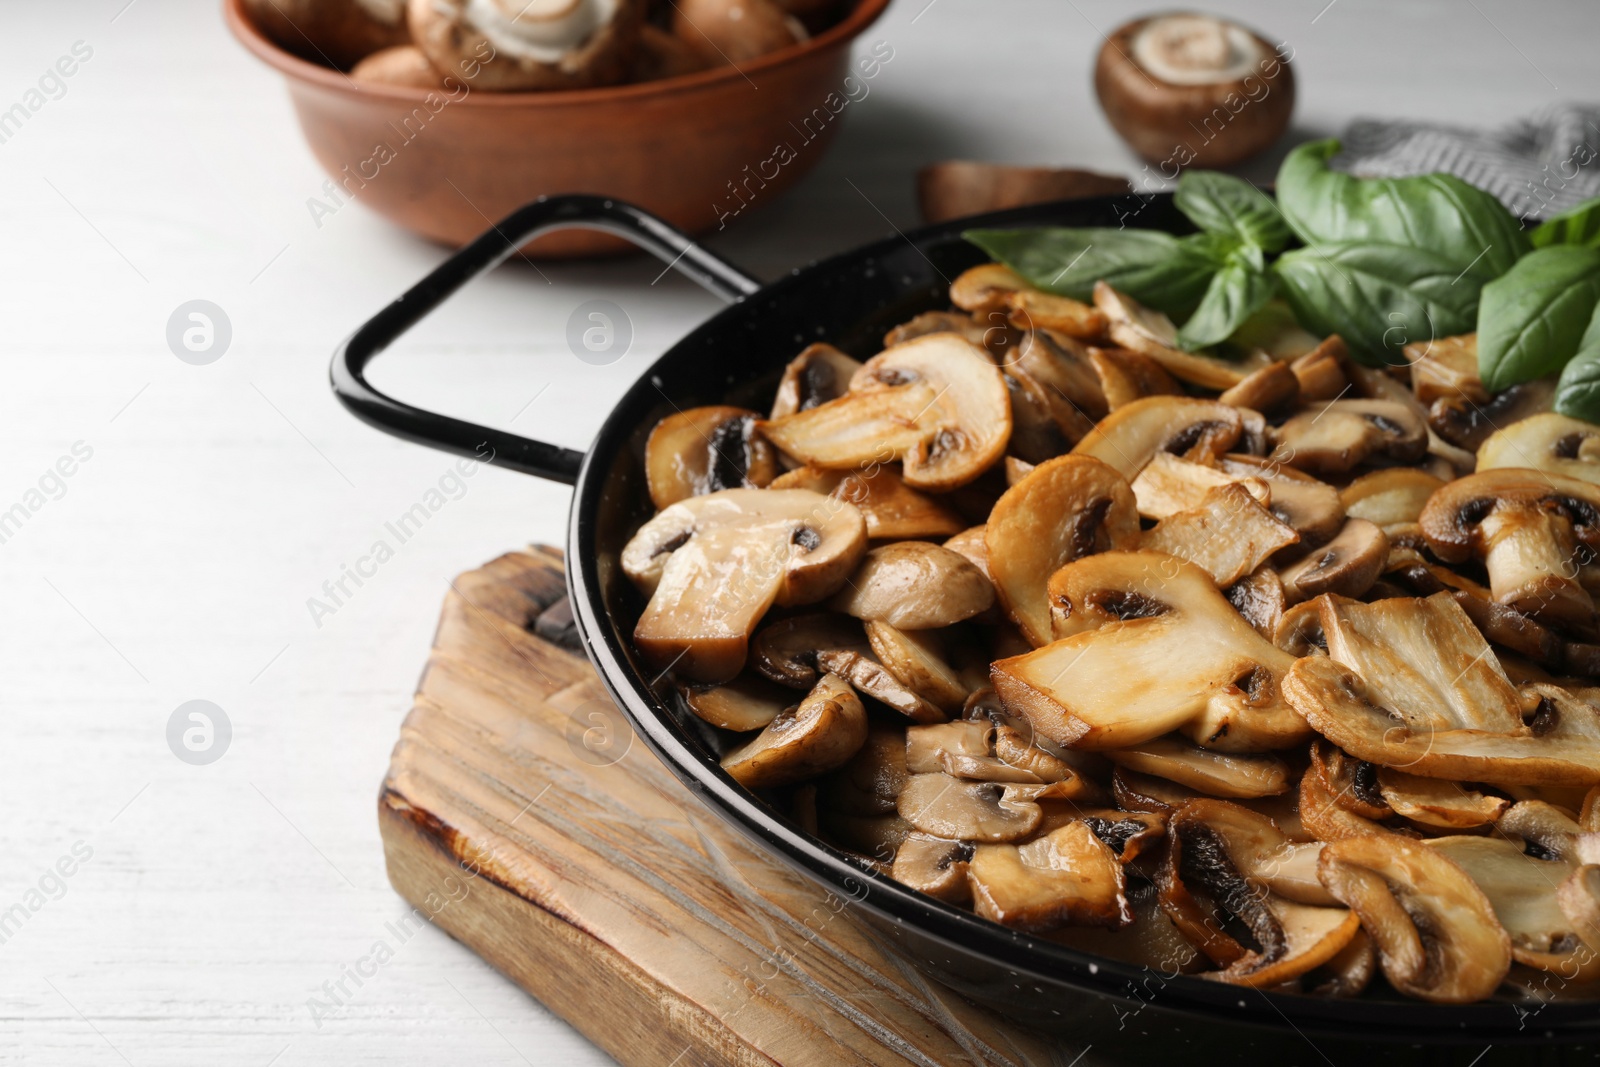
(558, 464)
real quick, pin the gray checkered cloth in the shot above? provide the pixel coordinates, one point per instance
(1537, 166)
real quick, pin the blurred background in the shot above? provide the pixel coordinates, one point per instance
(206, 503)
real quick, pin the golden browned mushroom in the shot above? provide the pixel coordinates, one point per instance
(1526, 526)
(1126, 376)
(1259, 599)
(820, 733)
(893, 510)
(734, 31)
(937, 404)
(817, 375)
(336, 32)
(1269, 389)
(1193, 90)
(871, 678)
(1347, 565)
(702, 450)
(528, 44)
(1341, 435)
(747, 703)
(1438, 804)
(1217, 774)
(1446, 367)
(403, 64)
(1132, 325)
(1324, 372)
(786, 651)
(1388, 497)
(1168, 485)
(712, 565)
(935, 866)
(914, 585)
(1557, 444)
(1063, 373)
(1311, 507)
(986, 288)
(949, 807)
(1130, 436)
(1064, 508)
(1068, 875)
(972, 327)
(1435, 930)
(1229, 534)
(918, 661)
(1153, 625)
(1467, 424)
(1032, 309)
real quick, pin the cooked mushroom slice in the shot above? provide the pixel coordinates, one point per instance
(1271, 388)
(893, 510)
(1323, 372)
(817, 375)
(1035, 436)
(1259, 599)
(1194, 429)
(1126, 376)
(1149, 624)
(1033, 309)
(873, 679)
(702, 450)
(1168, 485)
(1579, 899)
(1446, 367)
(1299, 630)
(1343, 434)
(1435, 930)
(1347, 565)
(927, 746)
(1256, 847)
(986, 288)
(1145, 792)
(822, 732)
(1067, 876)
(1229, 535)
(1324, 814)
(1132, 325)
(935, 866)
(1205, 882)
(734, 31)
(1527, 526)
(1129, 834)
(1218, 774)
(1549, 442)
(1411, 684)
(786, 651)
(948, 807)
(914, 585)
(971, 327)
(1058, 370)
(1468, 425)
(917, 660)
(937, 403)
(1348, 973)
(1437, 804)
(1391, 496)
(548, 44)
(744, 704)
(1065, 508)
(713, 564)
(1311, 507)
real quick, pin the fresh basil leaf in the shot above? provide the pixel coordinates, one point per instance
(1222, 204)
(1460, 224)
(1575, 226)
(1235, 293)
(1378, 297)
(1156, 269)
(1578, 390)
(1531, 319)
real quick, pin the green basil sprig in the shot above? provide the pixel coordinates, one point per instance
(1576, 226)
(1578, 389)
(1533, 318)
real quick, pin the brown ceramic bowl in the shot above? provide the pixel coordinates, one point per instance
(694, 149)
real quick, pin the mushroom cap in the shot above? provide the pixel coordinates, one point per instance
(1309, 506)
(1066, 507)
(1343, 434)
(705, 449)
(947, 807)
(820, 373)
(1446, 367)
(1126, 376)
(338, 33)
(747, 703)
(1452, 519)
(1269, 388)
(713, 564)
(894, 511)
(917, 661)
(1158, 119)
(1150, 333)
(1468, 424)
(1068, 875)
(935, 866)
(820, 733)
(936, 403)
(915, 585)
(734, 31)
(1130, 436)
(986, 287)
(1557, 444)
(1346, 565)
(786, 651)
(446, 31)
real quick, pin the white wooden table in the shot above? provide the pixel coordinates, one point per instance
(176, 561)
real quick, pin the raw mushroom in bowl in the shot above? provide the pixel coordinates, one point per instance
(529, 44)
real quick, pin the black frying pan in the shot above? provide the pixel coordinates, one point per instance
(736, 357)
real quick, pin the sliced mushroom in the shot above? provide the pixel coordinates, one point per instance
(1558, 444)
(1153, 647)
(917, 660)
(1468, 425)
(937, 404)
(935, 866)
(1411, 684)
(1348, 973)
(943, 806)
(1388, 497)
(1168, 485)
(1446, 367)
(1271, 388)
(1132, 325)
(1324, 814)
(1228, 535)
(1126, 439)
(1033, 309)
(1126, 376)
(1217, 774)
(1323, 372)
(1147, 793)
(1341, 435)
(1438, 804)
(820, 733)
(552, 44)
(817, 375)
(1069, 875)
(1435, 930)
(1528, 527)
(1059, 370)
(712, 565)
(1347, 565)
(1035, 435)
(702, 450)
(744, 704)
(873, 679)
(870, 782)
(787, 650)
(893, 510)
(1065, 508)
(1311, 507)
(914, 585)
(1259, 599)
(929, 748)
(1353, 783)
(1299, 630)
(971, 327)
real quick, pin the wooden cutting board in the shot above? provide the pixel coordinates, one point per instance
(523, 817)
